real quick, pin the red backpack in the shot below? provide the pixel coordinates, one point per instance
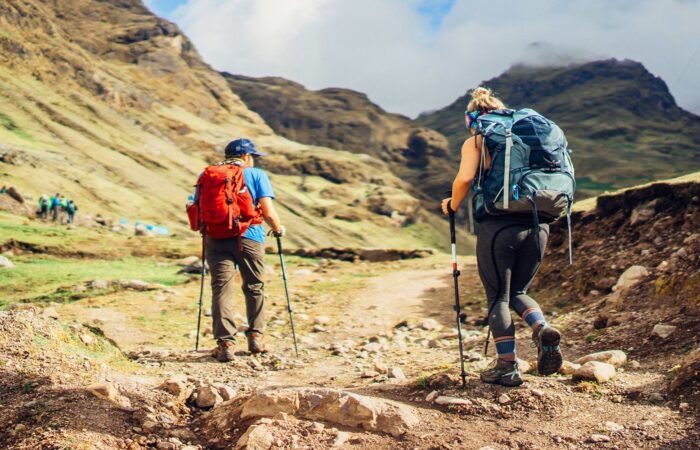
(224, 206)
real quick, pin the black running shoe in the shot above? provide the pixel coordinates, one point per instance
(505, 373)
(549, 357)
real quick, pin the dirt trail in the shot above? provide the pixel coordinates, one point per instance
(362, 304)
(392, 298)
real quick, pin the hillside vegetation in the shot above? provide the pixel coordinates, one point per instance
(113, 107)
(621, 121)
(347, 120)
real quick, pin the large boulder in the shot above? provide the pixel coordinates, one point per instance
(595, 371)
(617, 358)
(334, 406)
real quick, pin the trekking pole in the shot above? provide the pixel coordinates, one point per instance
(201, 291)
(457, 308)
(286, 292)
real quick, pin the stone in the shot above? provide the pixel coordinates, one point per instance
(87, 339)
(447, 400)
(396, 373)
(318, 329)
(187, 261)
(430, 325)
(5, 263)
(630, 277)
(595, 371)
(381, 367)
(176, 387)
(107, 391)
(98, 285)
(598, 438)
(568, 368)
(613, 427)
(226, 392)
(50, 313)
(340, 439)
(432, 396)
(373, 347)
(208, 396)
(663, 331)
(525, 367)
(539, 393)
(617, 358)
(687, 373)
(642, 213)
(331, 406)
(656, 397)
(504, 399)
(322, 320)
(257, 437)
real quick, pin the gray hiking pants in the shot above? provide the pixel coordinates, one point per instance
(507, 256)
(223, 255)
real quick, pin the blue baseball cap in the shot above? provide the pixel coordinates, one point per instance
(242, 147)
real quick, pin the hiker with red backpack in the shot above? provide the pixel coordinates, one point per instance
(231, 202)
(517, 176)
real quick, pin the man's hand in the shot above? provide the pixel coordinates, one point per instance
(278, 233)
(447, 206)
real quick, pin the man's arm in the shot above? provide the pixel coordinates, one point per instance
(270, 214)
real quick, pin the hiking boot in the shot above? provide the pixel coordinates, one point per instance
(505, 373)
(255, 344)
(224, 351)
(549, 357)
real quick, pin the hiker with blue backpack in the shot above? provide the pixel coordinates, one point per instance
(517, 177)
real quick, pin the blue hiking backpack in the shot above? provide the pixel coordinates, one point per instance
(531, 169)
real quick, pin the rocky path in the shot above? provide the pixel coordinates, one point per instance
(377, 370)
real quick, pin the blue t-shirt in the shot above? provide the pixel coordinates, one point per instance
(258, 183)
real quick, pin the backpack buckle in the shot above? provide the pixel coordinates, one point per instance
(229, 201)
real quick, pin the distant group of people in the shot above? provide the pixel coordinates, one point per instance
(56, 205)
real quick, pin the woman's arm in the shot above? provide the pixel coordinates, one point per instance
(468, 167)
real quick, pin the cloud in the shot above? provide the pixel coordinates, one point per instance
(390, 49)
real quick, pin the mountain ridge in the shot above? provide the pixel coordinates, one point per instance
(611, 110)
(114, 107)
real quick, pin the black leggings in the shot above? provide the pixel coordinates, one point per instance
(507, 256)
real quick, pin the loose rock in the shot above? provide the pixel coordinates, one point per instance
(569, 368)
(396, 373)
(617, 358)
(630, 277)
(5, 263)
(446, 400)
(597, 438)
(663, 331)
(595, 371)
(208, 396)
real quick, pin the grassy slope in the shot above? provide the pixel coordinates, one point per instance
(113, 107)
(621, 121)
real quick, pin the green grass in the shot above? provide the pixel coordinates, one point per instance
(49, 279)
(11, 126)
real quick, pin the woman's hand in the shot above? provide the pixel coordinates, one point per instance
(446, 205)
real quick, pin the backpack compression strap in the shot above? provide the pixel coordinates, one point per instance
(506, 169)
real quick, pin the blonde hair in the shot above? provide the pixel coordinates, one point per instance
(484, 100)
